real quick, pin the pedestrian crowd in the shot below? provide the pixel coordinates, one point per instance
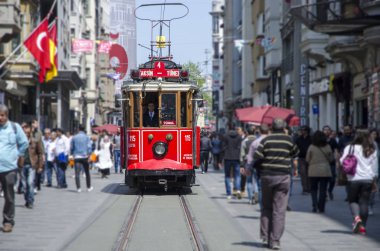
(261, 163)
(28, 158)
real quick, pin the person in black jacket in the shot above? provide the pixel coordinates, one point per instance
(231, 149)
(303, 142)
(150, 118)
(205, 148)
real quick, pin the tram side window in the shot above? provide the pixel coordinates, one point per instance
(136, 110)
(183, 110)
(168, 109)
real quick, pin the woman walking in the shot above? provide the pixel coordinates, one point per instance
(104, 153)
(319, 156)
(216, 149)
(363, 181)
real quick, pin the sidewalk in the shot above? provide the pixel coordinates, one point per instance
(58, 216)
(304, 230)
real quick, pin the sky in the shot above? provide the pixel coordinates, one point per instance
(190, 36)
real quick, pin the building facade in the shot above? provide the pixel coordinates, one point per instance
(217, 63)
(232, 73)
(353, 31)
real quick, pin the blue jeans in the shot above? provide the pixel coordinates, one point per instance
(204, 160)
(233, 165)
(116, 156)
(252, 184)
(61, 171)
(50, 166)
(28, 176)
(82, 165)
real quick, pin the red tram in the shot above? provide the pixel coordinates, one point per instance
(160, 135)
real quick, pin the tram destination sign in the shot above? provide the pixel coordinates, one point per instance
(159, 71)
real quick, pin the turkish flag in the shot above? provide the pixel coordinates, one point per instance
(38, 45)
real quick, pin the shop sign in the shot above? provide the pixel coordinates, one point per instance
(303, 95)
(319, 86)
(315, 109)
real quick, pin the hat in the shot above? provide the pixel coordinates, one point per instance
(278, 124)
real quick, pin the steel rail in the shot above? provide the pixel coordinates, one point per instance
(199, 242)
(126, 230)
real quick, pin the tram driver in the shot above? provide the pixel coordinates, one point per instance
(150, 118)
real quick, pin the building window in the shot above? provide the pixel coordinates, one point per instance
(72, 6)
(16, 42)
(215, 24)
(216, 50)
(260, 25)
(86, 7)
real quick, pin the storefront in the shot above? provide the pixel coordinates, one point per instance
(323, 104)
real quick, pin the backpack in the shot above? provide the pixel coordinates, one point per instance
(14, 127)
(248, 145)
(350, 162)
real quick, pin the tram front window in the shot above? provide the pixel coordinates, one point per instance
(150, 118)
(168, 109)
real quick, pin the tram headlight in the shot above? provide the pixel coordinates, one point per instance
(160, 149)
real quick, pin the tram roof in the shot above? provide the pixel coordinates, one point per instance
(154, 85)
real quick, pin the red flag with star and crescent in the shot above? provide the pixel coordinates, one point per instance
(38, 45)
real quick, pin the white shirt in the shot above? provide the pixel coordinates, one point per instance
(366, 168)
(50, 150)
(62, 145)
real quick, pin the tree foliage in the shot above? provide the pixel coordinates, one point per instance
(194, 73)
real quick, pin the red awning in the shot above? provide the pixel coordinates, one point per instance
(110, 128)
(264, 114)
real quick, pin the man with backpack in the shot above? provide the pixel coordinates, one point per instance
(13, 143)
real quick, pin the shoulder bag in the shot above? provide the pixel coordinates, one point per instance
(350, 162)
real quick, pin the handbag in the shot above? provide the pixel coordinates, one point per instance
(342, 178)
(62, 158)
(331, 162)
(350, 162)
(94, 157)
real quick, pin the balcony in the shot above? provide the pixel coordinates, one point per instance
(371, 7)
(10, 23)
(344, 17)
(347, 49)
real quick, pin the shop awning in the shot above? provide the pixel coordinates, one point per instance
(265, 114)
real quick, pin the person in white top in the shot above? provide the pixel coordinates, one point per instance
(62, 150)
(49, 140)
(105, 157)
(363, 181)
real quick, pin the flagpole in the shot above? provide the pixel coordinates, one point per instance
(18, 48)
(21, 44)
(19, 57)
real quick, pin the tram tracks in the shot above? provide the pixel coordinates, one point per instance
(125, 235)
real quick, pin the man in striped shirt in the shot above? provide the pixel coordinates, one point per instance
(273, 156)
